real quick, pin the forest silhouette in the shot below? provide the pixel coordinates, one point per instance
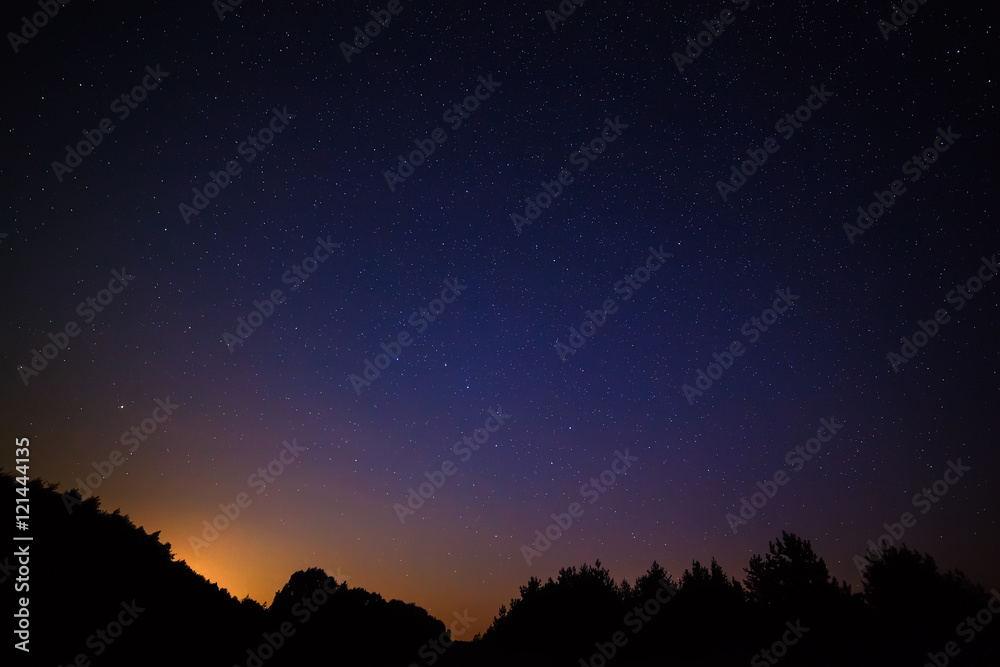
(105, 592)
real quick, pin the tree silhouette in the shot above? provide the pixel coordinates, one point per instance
(647, 584)
(301, 584)
(907, 609)
(792, 580)
(906, 593)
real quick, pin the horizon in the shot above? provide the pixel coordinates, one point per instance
(479, 624)
(224, 576)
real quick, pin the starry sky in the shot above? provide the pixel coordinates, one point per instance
(585, 171)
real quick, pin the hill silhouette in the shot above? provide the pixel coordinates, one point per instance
(90, 569)
(105, 592)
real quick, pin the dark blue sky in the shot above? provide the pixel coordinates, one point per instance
(304, 139)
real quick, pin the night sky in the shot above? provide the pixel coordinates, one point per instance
(395, 313)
